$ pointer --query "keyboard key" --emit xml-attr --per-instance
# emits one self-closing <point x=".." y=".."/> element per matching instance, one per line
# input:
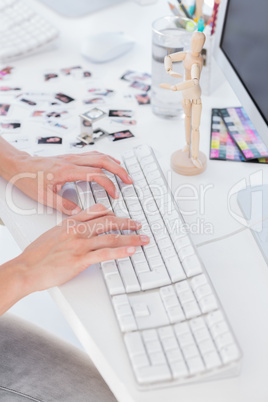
<point x="127" y="323"/>
<point x="175" y="269"/>
<point x="139" y="361"/>
<point x="128" y="275"/>
<point x="153" y="374"/>
<point x="153" y="346"/>
<point x="229" y="353"/>
<point x="174" y="355"/>
<point x="212" y="360"/>
<point x="198" y="281"/>
<point x="134" y="344"/>
<point x="175" y="314"/>
<point x="167" y="291"/>
<point x="202" y="291"/>
<point x="120" y="300"/>
<point x="182" y="242"/>
<point x="192" y="265"/>
<point x="190" y="351"/>
<point x="208" y="303"/>
<point x="178" y="369"/>
<point x="165" y="332"/>
<point x="157" y="358"/>
<point x="169" y="343"/>
<point x="109" y="267"/>
<point x="191" y="309"/>
<point x="149" y="335"/>
<point x="219" y="329"/>
<point x="202" y="334"/>
<point x="214" y="317"/>
<point x="206" y="346"/>
<point x="153" y="279"/>
<point x="186" y="252"/>
<point x="195" y="365"/>
<point x="115" y="284"/>
<point x="140" y="310"/>
<point x="224" y="340"/>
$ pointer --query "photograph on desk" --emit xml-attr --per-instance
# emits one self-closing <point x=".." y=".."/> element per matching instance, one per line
<point x="54" y="114"/>
<point x="94" y="101"/>
<point x="222" y="144"/>
<point x="132" y="76"/>
<point x="6" y="72"/>
<point x="9" y="90"/>
<point x="143" y="99"/>
<point x="49" y="140"/>
<point x="141" y="86"/>
<point x="101" y="92"/>
<point x="10" y="126"/>
<point x="64" y="98"/>
<point x="121" y="135"/>
<point x="48" y="76"/>
<point x="5" y="109"/>
<point x="120" y="113"/>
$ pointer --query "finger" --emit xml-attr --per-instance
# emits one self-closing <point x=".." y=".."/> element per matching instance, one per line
<point x="165" y="86"/>
<point x="91" y="174"/>
<point x="107" y="163"/>
<point x="174" y="74"/>
<point x="106" y="254"/>
<point x="94" y="154"/>
<point x="65" y="206"/>
<point x="115" y="241"/>
<point x="94" y="212"/>
<point x="107" y="224"/>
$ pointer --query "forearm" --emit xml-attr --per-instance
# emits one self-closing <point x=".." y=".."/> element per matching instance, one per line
<point x="184" y="85"/>
<point x="10" y="159"/>
<point x="12" y="284"/>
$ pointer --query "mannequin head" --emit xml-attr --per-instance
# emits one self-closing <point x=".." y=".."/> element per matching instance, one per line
<point x="197" y="42"/>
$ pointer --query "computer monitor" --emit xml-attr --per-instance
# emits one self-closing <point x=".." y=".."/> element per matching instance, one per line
<point x="241" y="50"/>
<point x="78" y="8"/>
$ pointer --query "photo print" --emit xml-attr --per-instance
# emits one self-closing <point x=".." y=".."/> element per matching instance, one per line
<point x="64" y="98"/>
<point x="49" y="140"/>
<point x="121" y="135"/>
<point x="10" y="126"/>
<point x="140" y="85"/>
<point x="120" y="113"/>
<point x="6" y="72"/>
<point x="131" y="76"/>
<point x="143" y="99"/>
<point x="4" y="109"/>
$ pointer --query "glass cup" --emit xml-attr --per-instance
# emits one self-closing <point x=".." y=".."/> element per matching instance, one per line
<point x="169" y="35"/>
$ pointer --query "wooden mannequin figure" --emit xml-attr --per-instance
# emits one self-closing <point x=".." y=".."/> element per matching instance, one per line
<point x="189" y="161"/>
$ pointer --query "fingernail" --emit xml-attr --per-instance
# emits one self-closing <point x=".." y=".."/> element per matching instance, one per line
<point x="116" y="194"/>
<point x="131" y="250"/>
<point x="129" y="178"/>
<point x="76" y="211"/>
<point x="145" y="239"/>
<point x="138" y="224"/>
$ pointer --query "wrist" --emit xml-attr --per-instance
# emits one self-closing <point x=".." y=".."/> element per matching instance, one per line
<point x="13" y="162"/>
<point x="13" y="283"/>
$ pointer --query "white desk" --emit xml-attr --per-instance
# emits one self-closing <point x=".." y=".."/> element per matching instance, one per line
<point x="235" y="265"/>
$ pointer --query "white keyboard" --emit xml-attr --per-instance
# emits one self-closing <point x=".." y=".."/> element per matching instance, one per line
<point x="22" y="31"/>
<point x="172" y="323"/>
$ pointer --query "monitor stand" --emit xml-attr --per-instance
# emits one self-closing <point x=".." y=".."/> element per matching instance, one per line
<point x="77" y="8"/>
<point x="253" y="202"/>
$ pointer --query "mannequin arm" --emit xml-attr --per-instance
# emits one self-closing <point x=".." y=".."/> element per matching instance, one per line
<point x="179" y="56"/>
<point x="181" y="86"/>
<point x="195" y="72"/>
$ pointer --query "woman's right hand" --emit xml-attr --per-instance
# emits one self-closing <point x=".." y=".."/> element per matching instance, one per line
<point x="64" y="251"/>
